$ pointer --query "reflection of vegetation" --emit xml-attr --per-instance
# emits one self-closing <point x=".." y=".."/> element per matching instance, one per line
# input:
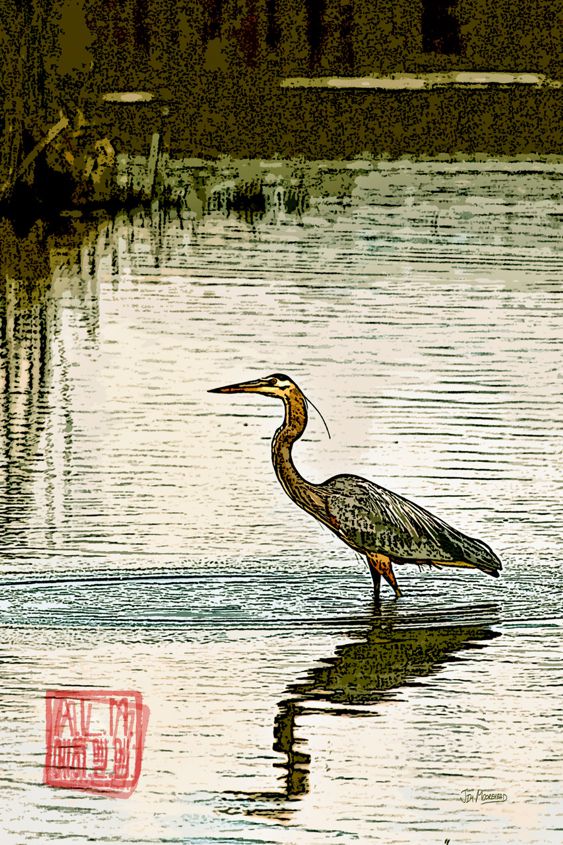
<point x="257" y="195"/>
<point x="26" y="321"/>
<point x="30" y="341"/>
<point x="390" y="654"/>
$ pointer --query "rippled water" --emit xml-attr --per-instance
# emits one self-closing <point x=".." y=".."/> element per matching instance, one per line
<point x="146" y="544"/>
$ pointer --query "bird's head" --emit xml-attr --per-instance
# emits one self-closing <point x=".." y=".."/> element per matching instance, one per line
<point x="276" y="385"/>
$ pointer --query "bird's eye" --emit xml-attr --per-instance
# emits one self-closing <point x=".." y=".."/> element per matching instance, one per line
<point x="276" y="378"/>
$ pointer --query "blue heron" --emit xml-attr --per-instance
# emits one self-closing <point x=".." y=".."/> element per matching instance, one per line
<point x="385" y="527"/>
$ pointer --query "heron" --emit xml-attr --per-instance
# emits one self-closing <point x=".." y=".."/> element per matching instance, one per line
<point x="384" y="526"/>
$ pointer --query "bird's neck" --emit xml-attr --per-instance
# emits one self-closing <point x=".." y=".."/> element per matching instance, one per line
<point x="297" y="488"/>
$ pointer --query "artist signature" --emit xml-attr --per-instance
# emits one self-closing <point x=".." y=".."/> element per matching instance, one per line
<point x="483" y="796"/>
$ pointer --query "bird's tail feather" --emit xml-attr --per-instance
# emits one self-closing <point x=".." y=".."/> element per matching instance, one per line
<point x="477" y="554"/>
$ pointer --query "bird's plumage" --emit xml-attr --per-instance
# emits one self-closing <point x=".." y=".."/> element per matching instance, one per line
<point x="370" y="518"/>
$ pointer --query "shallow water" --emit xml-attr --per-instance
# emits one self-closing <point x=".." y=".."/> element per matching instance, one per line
<point x="146" y="544"/>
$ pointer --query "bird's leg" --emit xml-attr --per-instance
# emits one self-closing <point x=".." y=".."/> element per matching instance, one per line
<point x="392" y="581"/>
<point x="381" y="565"/>
<point x="376" y="578"/>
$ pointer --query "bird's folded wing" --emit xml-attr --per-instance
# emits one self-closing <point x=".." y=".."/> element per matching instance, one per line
<point x="375" y="519"/>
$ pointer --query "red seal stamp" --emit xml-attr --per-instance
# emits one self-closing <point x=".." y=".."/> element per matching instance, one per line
<point x="95" y="740"/>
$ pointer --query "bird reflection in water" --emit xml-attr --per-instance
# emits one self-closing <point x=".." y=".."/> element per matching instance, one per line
<point x="392" y="653"/>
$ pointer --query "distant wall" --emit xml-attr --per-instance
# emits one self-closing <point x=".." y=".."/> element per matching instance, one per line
<point x="216" y="65"/>
<point x="158" y="40"/>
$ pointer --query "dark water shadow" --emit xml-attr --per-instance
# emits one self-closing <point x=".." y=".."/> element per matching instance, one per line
<point x="393" y="652"/>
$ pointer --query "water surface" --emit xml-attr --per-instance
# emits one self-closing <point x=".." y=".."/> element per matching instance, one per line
<point x="145" y="542"/>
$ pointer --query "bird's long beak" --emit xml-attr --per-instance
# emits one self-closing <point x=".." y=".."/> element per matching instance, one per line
<point x="256" y="386"/>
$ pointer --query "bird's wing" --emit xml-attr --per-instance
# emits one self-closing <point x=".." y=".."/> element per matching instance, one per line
<point x="371" y="518"/>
